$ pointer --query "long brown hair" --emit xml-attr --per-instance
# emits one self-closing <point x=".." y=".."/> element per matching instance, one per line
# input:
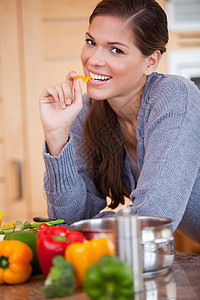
<point x="104" y="145"/>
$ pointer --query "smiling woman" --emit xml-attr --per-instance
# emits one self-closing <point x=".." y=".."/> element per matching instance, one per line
<point x="109" y="52"/>
<point x="135" y="134"/>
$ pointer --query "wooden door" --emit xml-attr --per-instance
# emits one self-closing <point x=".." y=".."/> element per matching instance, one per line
<point x="21" y="165"/>
<point x="11" y="130"/>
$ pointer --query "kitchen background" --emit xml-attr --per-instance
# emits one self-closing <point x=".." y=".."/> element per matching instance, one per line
<point x="40" y="41"/>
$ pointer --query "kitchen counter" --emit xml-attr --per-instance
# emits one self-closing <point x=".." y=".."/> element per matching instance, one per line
<point x="181" y="282"/>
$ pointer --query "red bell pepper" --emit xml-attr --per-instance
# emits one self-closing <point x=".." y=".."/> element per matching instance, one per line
<point x="53" y="241"/>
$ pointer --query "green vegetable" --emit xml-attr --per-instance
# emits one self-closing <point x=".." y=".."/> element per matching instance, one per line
<point x="29" y="238"/>
<point x="18" y="226"/>
<point x="109" y="279"/>
<point x="60" y="280"/>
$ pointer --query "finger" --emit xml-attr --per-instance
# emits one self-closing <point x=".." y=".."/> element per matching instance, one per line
<point x="77" y="92"/>
<point x="68" y="93"/>
<point x="70" y="78"/>
<point x="50" y="92"/>
<point x="61" y="97"/>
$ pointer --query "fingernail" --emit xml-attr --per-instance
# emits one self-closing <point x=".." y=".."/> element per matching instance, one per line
<point x="68" y="101"/>
<point x="57" y="99"/>
<point x="63" y="105"/>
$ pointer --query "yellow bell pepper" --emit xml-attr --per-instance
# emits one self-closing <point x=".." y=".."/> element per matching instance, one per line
<point x="81" y="255"/>
<point x="1" y="215"/>
<point x="11" y="224"/>
<point x="15" y="258"/>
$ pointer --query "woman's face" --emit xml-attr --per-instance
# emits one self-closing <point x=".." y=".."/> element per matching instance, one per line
<point x="110" y="56"/>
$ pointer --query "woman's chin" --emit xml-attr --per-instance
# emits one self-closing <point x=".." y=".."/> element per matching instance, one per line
<point x="97" y="94"/>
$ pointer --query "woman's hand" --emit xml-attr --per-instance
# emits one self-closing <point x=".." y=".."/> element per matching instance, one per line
<point x="59" y="106"/>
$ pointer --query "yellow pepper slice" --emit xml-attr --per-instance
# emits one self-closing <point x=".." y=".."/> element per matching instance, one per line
<point x="81" y="255"/>
<point x="15" y="258"/>
<point x="85" y="79"/>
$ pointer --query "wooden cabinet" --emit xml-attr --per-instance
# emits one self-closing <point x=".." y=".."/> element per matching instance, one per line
<point x="184" y="244"/>
<point x="21" y="165"/>
<point x="64" y="24"/>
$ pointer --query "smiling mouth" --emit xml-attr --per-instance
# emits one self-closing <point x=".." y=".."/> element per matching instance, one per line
<point x="96" y="77"/>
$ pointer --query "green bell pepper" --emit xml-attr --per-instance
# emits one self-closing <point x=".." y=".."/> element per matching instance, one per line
<point x="109" y="279"/>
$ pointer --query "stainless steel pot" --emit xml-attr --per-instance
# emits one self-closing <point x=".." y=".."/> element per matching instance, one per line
<point x="156" y="238"/>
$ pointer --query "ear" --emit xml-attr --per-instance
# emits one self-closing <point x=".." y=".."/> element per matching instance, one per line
<point x="152" y="62"/>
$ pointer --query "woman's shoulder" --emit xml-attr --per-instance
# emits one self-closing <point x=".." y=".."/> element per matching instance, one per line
<point x="165" y="90"/>
<point x="168" y="83"/>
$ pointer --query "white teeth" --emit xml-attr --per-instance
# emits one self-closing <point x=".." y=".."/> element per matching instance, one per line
<point x="99" y="77"/>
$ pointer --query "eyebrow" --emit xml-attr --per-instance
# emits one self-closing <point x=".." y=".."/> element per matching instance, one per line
<point x="109" y="43"/>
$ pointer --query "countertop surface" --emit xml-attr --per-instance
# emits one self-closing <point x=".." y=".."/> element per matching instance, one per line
<point x="181" y="281"/>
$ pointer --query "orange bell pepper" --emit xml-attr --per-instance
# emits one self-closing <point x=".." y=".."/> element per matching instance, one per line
<point x="81" y="255"/>
<point x="15" y="258"/>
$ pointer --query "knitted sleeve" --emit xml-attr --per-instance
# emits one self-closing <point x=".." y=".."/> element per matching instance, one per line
<point x="71" y="194"/>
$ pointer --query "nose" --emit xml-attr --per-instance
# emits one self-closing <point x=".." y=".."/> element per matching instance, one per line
<point x="97" y="57"/>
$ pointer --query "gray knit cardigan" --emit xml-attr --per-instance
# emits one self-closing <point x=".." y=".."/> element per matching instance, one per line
<point x="168" y="157"/>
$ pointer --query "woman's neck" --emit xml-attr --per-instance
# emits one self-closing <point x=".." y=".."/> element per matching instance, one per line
<point x="127" y="108"/>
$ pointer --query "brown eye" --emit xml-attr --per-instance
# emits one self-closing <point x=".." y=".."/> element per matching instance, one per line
<point x="117" y="51"/>
<point x="90" y="42"/>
